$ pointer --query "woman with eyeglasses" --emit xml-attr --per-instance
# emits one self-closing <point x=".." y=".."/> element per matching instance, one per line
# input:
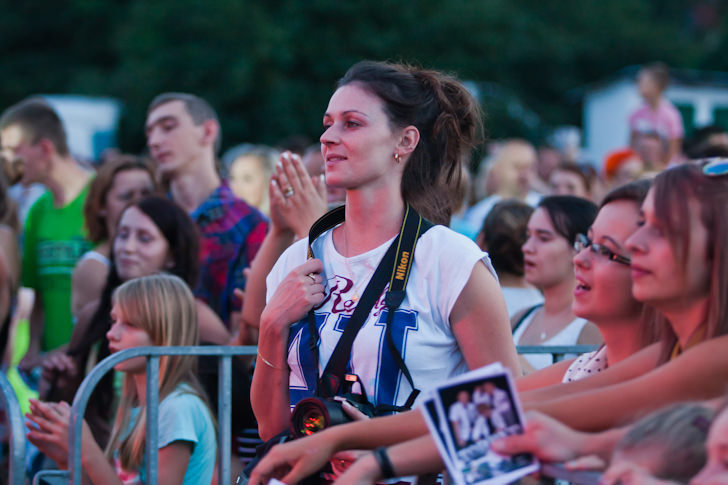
<point x="548" y="253"/>
<point x="603" y="291"/>
<point x="680" y="268"/>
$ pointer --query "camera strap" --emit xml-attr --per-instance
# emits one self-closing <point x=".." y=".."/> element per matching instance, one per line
<point x="394" y="268"/>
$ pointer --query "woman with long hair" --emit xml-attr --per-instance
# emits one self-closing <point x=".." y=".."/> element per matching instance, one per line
<point x="153" y="235"/>
<point x="156" y="310"/>
<point x="395" y="137"/>
<point x="117" y="183"/>
<point x="603" y="293"/>
<point x="679" y="268"/>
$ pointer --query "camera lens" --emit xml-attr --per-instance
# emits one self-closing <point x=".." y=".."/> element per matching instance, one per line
<point x="312" y="415"/>
<point x="312" y="421"/>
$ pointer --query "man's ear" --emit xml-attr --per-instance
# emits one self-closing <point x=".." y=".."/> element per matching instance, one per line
<point x="408" y="141"/>
<point x="48" y="149"/>
<point x="210" y="132"/>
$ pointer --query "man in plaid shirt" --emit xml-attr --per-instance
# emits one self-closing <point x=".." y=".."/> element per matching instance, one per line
<point x="183" y="135"/>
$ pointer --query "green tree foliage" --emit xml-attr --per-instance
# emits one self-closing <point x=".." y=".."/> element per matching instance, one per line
<point x="270" y="66"/>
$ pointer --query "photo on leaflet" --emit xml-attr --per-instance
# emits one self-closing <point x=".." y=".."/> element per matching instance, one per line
<point x="474" y="409"/>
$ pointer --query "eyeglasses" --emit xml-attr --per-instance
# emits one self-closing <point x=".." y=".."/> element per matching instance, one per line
<point x="583" y="242"/>
<point x="714" y="167"/>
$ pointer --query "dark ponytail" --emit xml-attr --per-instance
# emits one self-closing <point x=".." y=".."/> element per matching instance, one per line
<point x="450" y="125"/>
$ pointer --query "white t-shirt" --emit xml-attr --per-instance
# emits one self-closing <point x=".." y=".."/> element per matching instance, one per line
<point x="442" y="265"/>
<point x="461" y="414"/>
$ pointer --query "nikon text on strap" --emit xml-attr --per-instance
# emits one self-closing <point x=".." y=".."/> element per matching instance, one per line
<point x="395" y="266"/>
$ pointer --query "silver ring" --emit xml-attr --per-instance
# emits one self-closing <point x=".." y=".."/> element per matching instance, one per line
<point x="312" y="276"/>
<point x="288" y="192"/>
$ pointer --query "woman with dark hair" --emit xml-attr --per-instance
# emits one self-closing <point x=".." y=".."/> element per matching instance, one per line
<point x="604" y="297"/>
<point x="548" y="256"/>
<point x="395" y="137"/>
<point x="502" y="236"/>
<point x="117" y="183"/>
<point x="679" y="268"/>
<point x="153" y="235"/>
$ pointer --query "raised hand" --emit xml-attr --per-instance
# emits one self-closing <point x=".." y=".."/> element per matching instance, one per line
<point x="296" y="199"/>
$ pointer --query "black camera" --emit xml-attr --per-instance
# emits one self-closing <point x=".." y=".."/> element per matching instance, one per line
<point x="314" y="414"/>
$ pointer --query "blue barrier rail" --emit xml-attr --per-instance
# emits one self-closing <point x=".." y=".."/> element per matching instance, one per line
<point x="224" y="354"/>
<point x="17" y="432"/>
<point x="558" y="352"/>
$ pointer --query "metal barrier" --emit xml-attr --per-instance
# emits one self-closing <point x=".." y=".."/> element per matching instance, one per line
<point x="17" y="432"/>
<point x="557" y="351"/>
<point x="553" y="472"/>
<point x="224" y="353"/>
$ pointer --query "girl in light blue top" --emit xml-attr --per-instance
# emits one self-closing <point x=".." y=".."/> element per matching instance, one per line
<point x="152" y="310"/>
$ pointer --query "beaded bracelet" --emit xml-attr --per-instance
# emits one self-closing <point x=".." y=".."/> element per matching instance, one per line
<point x="384" y="463"/>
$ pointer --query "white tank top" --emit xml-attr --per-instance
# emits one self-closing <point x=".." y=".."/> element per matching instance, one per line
<point x="569" y="335"/>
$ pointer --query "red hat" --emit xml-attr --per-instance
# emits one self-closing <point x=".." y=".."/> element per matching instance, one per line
<point x="615" y="158"/>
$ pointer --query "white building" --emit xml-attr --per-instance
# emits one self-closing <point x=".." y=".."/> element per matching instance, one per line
<point x="91" y="123"/>
<point x="701" y="97"/>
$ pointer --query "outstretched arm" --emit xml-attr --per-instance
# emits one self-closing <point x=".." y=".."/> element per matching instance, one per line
<point x="415" y="457"/>
<point x="700" y="373"/>
<point x="552" y="441"/>
<point x="634" y="366"/>
<point x="303" y="457"/>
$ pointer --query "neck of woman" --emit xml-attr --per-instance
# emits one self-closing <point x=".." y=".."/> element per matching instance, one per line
<point x="622" y="338"/>
<point x="372" y="218"/>
<point x="557" y="298"/>
<point x="686" y="317"/>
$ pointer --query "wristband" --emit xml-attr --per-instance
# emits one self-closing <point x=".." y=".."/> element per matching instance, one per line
<point x="380" y="454"/>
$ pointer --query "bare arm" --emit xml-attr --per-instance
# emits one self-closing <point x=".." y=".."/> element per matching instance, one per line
<point x="415" y="457"/>
<point x="480" y="323"/>
<point x="212" y="330"/>
<point x="172" y="460"/>
<point x="552" y="441"/>
<point x="292" y="300"/>
<point x="548" y="376"/>
<point x="275" y="242"/>
<point x="87" y="283"/>
<point x="32" y="357"/>
<point x="630" y="368"/>
<point x="309" y="454"/>
<point x="10" y="253"/>
<point x="700" y="373"/>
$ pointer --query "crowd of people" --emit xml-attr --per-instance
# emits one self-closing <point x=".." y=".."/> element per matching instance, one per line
<point x="418" y="271"/>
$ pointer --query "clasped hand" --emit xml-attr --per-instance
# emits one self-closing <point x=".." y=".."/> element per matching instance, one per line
<point x="300" y="291"/>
